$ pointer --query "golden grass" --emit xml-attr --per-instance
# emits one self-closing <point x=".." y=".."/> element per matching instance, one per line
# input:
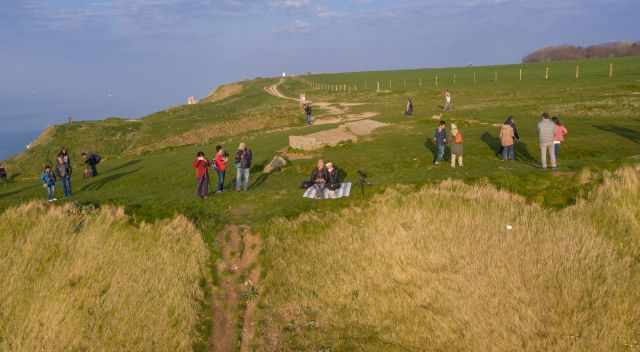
<point x="224" y="91"/>
<point x="439" y="270"/>
<point x="94" y="282"/>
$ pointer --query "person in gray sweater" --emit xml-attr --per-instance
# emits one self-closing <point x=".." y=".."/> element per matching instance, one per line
<point x="546" y="132"/>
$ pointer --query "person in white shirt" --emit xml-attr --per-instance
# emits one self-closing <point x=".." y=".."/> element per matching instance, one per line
<point x="447" y="100"/>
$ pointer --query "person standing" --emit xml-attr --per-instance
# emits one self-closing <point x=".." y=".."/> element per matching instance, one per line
<point x="3" y="174"/>
<point x="509" y="121"/>
<point x="507" y="140"/>
<point x="546" y="134"/>
<point x="63" y="171"/>
<point x="456" y="147"/>
<point x="448" y="100"/>
<point x="243" y="160"/>
<point x="201" y="164"/>
<point x="558" y="136"/>
<point x="49" y="181"/>
<point x="409" y="109"/>
<point x="308" y="113"/>
<point x="92" y="160"/>
<point x="440" y="140"/>
<point x="220" y="164"/>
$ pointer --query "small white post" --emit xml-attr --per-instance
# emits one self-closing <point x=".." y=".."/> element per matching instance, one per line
<point x="436" y="80"/>
<point x="610" y="70"/>
<point x="521" y="74"/>
<point x="578" y="71"/>
<point x="475" y="78"/>
<point x="546" y="73"/>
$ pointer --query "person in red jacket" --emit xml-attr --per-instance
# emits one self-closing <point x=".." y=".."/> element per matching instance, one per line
<point x="220" y="165"/>
<point x="201" y="164"/>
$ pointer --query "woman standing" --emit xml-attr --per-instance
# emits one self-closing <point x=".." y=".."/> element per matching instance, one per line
<point x="507" y="139"/>
<point x="220" y="164"/>
<point x="456" y="147"/>
<point x="202" y="175"/>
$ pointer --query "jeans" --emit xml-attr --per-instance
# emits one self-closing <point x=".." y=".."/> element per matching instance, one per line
<point x="440" y="152"/>
<point x="51" y="191"/>
<point x="242" y="179"/>
<point x="508" y="153"/>
<point x="221" y="175"/>
<point x="309" y="119"/>
<point x="556" y="150"/>
<point x="544" y="149"/>
<point x="94" y="170"/>
<point x="66" y="185"/>
<point x="203" y="186"/>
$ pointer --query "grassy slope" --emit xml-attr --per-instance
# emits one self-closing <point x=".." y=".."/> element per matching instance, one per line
<point x="91" y="281"/>
<point x="601" y="114"/>
<point x="438" y="270"/>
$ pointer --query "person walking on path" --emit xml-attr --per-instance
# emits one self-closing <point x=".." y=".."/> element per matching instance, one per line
<point x="546" y="134"/>
<point x="92" y="160"/>
<point x="49" y="181"/>
<point x="558" y="136"/>
<point x="507" y="140"/>
<point x="448" y="101"/>
<point x="201" y="164"/>
<point x="243" y="160"/>
<point x="220" y="165"/>
<point x="409" y="109"/>
<point x="308" y="113"/>
<point x="440" y="140"/>
<point x="456" y="147"/>
<point x="63" y="171"/>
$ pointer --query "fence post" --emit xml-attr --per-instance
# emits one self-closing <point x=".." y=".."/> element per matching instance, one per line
<point x="475" y="78"/>
<point x="610" y="70"/>
<point x="495" y="76"/>
<point x="378" y="89"/>
<point x="404" y="84"/>
<point x="420" y="82"/>
<point x="578" y="71"/>
<point x="546" y="73"/>
<point x="454" y="78"/>
<point x="521" y="74"/>
<point x="389" y="84"/>
<point x="436" y="80"/>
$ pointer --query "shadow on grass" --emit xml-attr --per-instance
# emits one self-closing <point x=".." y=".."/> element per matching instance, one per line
<point x="98" y="184"/>
<point x="125" y="165"/>
<point x="13" y="193"/>
<point x="627" y="133"/>
<point x="492" y="142"/>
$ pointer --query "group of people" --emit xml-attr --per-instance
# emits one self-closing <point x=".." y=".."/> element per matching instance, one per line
<point x="551" y="134"/>
<point x="325" y="180"/>
<point x="440" y="140"/>
<point x="243" y="159"/>
<point x="62" y="171"/>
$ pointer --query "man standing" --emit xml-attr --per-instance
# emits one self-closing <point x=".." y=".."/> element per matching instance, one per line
<point x="308" y="113"/>
<point x="440" y="140"/>
<point x="546" y="132"/>
<point x="243" y="165"/>
<point x="63" y="172"/>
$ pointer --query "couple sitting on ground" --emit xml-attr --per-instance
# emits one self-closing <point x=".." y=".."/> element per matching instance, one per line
<point x="325" y="182"/>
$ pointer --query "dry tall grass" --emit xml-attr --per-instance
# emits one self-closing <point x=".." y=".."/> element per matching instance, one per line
<point x="94" y="282"/>
<point x="440" y="270"/>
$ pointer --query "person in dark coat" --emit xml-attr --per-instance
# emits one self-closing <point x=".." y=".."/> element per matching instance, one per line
<point x="92" y="160"/>
<point x="63" y="172"/>
<point x="3" y="174"/>
<point x="243" y="160"/>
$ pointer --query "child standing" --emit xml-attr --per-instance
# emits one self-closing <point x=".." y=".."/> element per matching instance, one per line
<point x="558" y="136"/>
<point x="49" y="181"/>
<point x="202" y="175"/>
<point x="440" y="140"/>
<point x="456" y="146"/>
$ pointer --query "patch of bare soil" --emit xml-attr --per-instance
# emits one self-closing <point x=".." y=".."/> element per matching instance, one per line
<point x="240" y="251"/>
<point x="330" y="138"/>
<point x="223" y="92"/>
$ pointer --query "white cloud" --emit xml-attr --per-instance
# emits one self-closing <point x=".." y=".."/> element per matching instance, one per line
<point x="298" y="26"/>
<point x="291" y="4"/>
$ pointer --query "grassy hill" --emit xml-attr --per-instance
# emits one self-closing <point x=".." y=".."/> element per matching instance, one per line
<point x="147" y="171"/>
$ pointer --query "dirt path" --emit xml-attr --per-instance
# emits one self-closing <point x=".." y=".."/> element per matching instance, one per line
<point x="231" y="325"/>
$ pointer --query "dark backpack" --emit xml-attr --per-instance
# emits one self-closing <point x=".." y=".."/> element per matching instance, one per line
<point x="97" y="158"/>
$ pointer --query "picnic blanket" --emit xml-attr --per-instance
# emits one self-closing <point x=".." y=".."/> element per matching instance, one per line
<point x="343" y="191"/>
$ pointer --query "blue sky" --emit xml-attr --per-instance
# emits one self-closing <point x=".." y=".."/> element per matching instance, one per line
<point x="98" y="58"/>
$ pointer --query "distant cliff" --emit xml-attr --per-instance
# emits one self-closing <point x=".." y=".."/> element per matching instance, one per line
<point x="571" y="52"/>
